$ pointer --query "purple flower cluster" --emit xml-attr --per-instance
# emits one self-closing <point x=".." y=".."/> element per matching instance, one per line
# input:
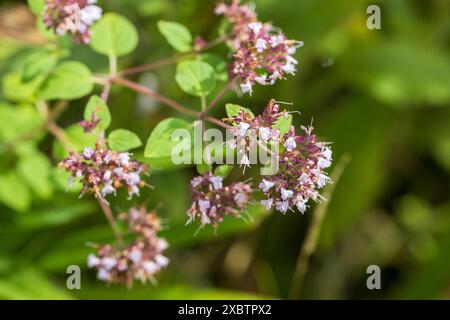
<point x="103" y="171"/>
<point x="301" y="173"/>
<point x="239" y="16"/>
<point x="72" y="16"/>
<point x="250" y="131"/>
<point x="141" y="259"/>
<point x="211" y="201"/>
<point x="262" y="54"/>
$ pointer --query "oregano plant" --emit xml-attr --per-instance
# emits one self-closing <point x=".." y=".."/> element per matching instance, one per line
<point x="102" y="163"/>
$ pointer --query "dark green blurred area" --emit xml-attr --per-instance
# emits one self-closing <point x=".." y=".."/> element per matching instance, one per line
<point x="382" y="96"/>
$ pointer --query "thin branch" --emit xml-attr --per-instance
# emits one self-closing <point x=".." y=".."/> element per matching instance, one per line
<point x="110" y="217"/>
<point x="148" y="92"/>
<point x="60" y="135"/>
<point x="312" y="235"/>
<point x="229" y="85"/>
<point x="171" y="60"/>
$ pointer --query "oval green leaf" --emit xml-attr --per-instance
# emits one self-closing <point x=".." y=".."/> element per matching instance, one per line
<point x="177" y="35"/>
<point x="123" y="140"/>
<point x="114" y="36"/>
<point x="196" y="78"/>
<point x="98" y="106"/>
<point x="68" y="81"/>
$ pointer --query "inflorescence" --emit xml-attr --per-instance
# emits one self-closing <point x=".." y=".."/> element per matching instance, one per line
<point x="262" y="54"/>
<point x="102" y="171"/>
<point x="211" y="201"/>
<point x="72" y="16"/>
<point x="141" y="259"/>
<point x="301" y="172"/>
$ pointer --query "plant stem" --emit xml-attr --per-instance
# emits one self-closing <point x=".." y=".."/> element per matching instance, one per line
<point x="169" y="102"/>
<point x="148" y="92"/>
<point x="312" y="235"/>
<point x="229" y="85"/>
<point x="171" y="60"/>
<point x="112" y="222"/>
<point x="60" y="135"/>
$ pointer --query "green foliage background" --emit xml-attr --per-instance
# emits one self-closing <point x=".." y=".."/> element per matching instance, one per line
<point x="380" y="95"/>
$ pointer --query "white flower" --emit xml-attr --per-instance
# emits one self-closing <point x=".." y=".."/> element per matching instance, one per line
<point x="196" y="181"/>
<point x="162" y="260"/>
<point x="255" y="27"/>
<point x="267" y="203"/>
<point x="264" y="134"/>
<point x="301" y="204"/>
<point x="246" y="87"/>
<point x="108" y="189"/>
<point x="322" y="180"/>
<point x="119" y="172"/>
<point x="304" y="178"/>
<point x="327" y="153"/>
<point x="90" y="14"/>
<point x="262" y="80"/>
<point x="290" y="144"/>
<point x="242" y="128"/>
<point x="88" y="152"/>
<point x="162" y="244"/>
<point x="107" y="175"/>
<point x="205" y="219"/>
<point x="276" y="40"/>
<point x="108" y="263"/>
<point x="134" y="190"/>
<point x="286" y="194"/>
<point x="204" y="205"/>
<point x="231" y="143"/>
<point x="103" y="275"/>
<point x="260" y="45"/>
<point x="133" y="178"/>
<point x="282" y="206"/>
<point x="245" y="161"/>
<point x="93" y="261"/>
<point x="289" y="68"/>
<point x="240" y="198"/>
<point x="135" y="256"/>
<point x="150" y="267"/>
<point x="323" y="163"/>
<point x="266" y="185"/>
<point x="124" y="158"/>
<point x="217" y="182"/>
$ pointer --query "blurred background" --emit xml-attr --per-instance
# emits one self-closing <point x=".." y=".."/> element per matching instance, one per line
<point x="381" y="96"/>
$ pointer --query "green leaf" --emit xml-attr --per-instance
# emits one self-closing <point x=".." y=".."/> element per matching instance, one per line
<point x="18" y="120"/>
<point x="123" y="140"/>
<point x="234" y="109"/>
<point x="78" y="140"/>
<point x="219" y="65"/>
<point x="56" y="214"/>
<point x="204" y="167"/>
<point x="223" y="170"/>
<point x="160" y="142"/>
<point x="38" y="63"/>
<point x="14" y="193"/>
<point x="15" y="89"/>
<point x="114" y="36"/>
<point x="35" y="172"/>
<point x="37" y="6"/>
<point x="98" y="106"/>
<point x="196" y="78"/>
<point x="177" y="35"/>
<point x="70" y="80"/>
<point x="283" y="124"/>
